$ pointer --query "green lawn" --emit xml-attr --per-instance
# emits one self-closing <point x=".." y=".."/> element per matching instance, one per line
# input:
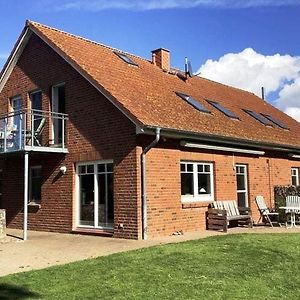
<point x="249" y="266"/>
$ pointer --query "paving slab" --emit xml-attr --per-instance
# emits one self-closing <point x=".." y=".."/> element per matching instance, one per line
<point x="44" y="249"/>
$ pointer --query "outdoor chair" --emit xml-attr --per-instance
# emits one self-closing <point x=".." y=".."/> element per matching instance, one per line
<point x="292" y="201"/>
<point x="266" y="215"/>
<point x="37" y="132"/>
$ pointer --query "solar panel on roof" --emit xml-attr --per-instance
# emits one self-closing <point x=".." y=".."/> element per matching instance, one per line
<point x="224" y="110"/>
<point x="275" y="121"/>
<point x="126" y="58"/>
<point x="258" y="117"/>
<point x="193" y="102"/>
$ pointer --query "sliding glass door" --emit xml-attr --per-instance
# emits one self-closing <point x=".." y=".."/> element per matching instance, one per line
<point x="95" y="195"/>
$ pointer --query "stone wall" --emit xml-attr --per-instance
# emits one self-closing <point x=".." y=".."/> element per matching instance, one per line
<point x="2" y="223"/>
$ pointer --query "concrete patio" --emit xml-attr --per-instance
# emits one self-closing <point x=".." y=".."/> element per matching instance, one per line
<point x="44" y="249"/>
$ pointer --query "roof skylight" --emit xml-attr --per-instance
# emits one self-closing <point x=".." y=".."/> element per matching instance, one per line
<point x="126" y="58"/>
<point x="258" y="117"/>
<point x="275" y="121"/>
<point x="193" y="102"/>
<point x="222" y="109"/>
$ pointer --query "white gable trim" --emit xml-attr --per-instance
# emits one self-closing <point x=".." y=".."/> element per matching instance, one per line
<point x="87" y="77"/>
<point x="14" y="57"/>
<point x="23" y="40"/>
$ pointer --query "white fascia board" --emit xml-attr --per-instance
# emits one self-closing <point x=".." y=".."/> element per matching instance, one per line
<point x="14" y="57"/>
<point x="297" y="156"/>
<point x="221" y="148"/>
<point x="86" y="76"/>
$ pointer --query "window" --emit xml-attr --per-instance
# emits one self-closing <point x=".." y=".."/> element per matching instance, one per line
<point x="95" y="195"/>
<point x="275" y="121"/>
<point x="36" y="100"/>
<point x="222" y="109"/>
<point x="295" y="176"/>
<point x="242" y="185"/>
<point x="35" y="184"/>
<point x="16" y="107"/>
<point x="58" y="108"/>
<point x="126" y="58"/>
<point x="258" y="117"/>
<point x="190" y="100"/>
<point x="196" y="181"/>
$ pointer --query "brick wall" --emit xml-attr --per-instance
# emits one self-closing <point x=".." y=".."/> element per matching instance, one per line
<point x="168" y="214"/>
<point x="96" y="131"/>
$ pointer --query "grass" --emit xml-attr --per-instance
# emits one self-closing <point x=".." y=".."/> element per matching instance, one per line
<point x="249" y="266"/>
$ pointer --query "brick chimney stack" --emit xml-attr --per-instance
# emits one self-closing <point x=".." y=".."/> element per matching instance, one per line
<point x="161" y="58"/>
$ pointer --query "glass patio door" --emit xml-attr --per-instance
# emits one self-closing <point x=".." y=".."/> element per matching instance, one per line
<point x="95" y="195"/>
<point x="242" y="185"/>
<point x="58" y="106"/>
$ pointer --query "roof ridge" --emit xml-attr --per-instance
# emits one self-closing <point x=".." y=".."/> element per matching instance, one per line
<point x="227" y="85"/>
<point x="34" y="23"/>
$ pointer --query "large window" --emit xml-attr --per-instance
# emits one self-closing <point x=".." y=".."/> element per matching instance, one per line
<point x="196" y="181"/>
<point x="35" y="184"/>
<point x="295" y="176"/>
<point x="95" y="195"/>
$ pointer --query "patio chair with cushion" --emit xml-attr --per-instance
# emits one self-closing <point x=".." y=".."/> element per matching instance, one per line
<point x="266" y="215"/>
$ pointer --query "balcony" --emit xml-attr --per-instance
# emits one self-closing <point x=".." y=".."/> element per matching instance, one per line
<point x="33" y="130"/>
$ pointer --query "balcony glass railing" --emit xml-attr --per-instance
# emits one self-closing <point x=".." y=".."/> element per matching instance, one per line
<point x="33" y="130"/>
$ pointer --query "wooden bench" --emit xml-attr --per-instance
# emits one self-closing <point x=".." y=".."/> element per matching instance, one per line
<point x="221" y="213"/>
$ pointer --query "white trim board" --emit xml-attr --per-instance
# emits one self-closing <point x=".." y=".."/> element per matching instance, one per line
<point x="18" y="50"/>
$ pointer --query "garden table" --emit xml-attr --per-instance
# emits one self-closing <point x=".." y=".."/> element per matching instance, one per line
<point x="293" y="210"/>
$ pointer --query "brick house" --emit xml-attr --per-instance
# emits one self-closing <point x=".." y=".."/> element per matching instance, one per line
<point x="95" y="140"/>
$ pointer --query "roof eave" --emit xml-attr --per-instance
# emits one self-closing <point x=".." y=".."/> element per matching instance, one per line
<point x="182" y="134"/>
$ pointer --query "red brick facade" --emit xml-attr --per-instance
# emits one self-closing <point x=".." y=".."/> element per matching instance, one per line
<point x="168" y="214"/>
<point x="98" y="131"/>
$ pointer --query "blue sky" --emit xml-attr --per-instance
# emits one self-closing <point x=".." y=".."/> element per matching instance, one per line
<point x="218" y="36"/>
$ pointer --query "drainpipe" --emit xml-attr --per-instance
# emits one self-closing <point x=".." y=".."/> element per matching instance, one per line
<point x="144" y="182"/>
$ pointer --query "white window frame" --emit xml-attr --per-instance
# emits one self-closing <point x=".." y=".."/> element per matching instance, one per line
<point x="12" y="110"/>
<point x="96" y="194"/>
<point x="30" y="184"/>
<point x="198" y="197"/>
<point x="246" y="182"/>
<point x="296" y="170"/>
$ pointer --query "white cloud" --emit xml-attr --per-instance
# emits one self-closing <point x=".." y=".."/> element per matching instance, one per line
<point x="144" y="5"/>
<point x="250" y="70"/>
<point x="294" y="112"/>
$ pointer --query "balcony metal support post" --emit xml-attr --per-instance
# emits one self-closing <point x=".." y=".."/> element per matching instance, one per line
<point x="32" y="128"/>
<point x="63" y="132"/>
<point x="5" y="134"/>
<point x="20" y="131"/>
<point x="25" y="196"/>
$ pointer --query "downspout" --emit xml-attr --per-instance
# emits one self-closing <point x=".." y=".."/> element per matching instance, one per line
<point x="144" y="183"/>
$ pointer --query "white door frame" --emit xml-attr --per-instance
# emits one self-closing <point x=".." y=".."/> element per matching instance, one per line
<point x="246" y="182"/>
<point x="96" y="194"/>
<point x="54" y="105"/>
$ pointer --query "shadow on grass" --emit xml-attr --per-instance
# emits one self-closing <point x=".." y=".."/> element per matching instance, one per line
<point x="8" y="291"/>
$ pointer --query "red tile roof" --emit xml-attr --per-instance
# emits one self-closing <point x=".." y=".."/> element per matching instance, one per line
<point x="147" y="94"/>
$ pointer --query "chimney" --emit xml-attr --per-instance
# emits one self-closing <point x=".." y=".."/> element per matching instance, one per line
<point x="161" y="58"/>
